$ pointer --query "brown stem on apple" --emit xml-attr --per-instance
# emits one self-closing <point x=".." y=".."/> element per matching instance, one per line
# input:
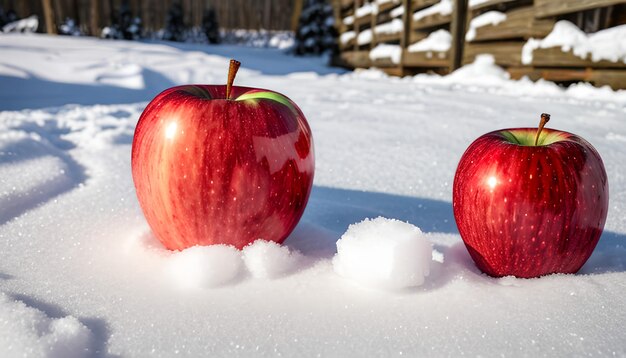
<point x="232" y="72"/>
<point x="544" y="119"/>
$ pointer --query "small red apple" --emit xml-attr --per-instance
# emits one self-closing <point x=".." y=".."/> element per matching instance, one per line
<point x="215" y="164"/>
<point x="530" y="202"/>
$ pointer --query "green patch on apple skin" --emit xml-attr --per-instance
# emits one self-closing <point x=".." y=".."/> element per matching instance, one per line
<point x="272" y="96"/>
<point x="526" y="137"/>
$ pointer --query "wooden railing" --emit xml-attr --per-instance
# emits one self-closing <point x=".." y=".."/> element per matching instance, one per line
<point x="407" y="36"/>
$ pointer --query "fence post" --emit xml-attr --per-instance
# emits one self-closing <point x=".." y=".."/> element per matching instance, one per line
<point x="49" y="17"/>
<point x="459" y="21"/>
<point x="405" y="37"/>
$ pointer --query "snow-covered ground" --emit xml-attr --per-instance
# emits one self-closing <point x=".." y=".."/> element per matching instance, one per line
<point x="80" y="273"/>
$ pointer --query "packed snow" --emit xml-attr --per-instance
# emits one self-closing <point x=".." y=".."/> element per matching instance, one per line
<point x="438" y="41"/>
<point x="392" y="27"/>
<point x="382" y="51"/>
<point x="384" y="253"/>
<point x="364" y="37"/>
<point x="26" y="25"/>
<point x="267" y="259"/>
<point x="397" y="12"/>
<point x="346" y="37"/>
<point x="366" y="9"/>
<point x="81" y="274"/>
<point x="608" y="44"/>
<point x="489" y="18"/>
<point x="443" y="7"/>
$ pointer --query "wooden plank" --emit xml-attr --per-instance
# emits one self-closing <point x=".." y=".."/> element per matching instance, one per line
<point x="422" y="4"/>
<point x="345" y="4"/>
<point x="425" y="59"/>
<point x="545" y="8"/>
<point x="387" y="6"/>
<point x="491" y="4"/>
<point x="457" y="29"/>
<point x="363" y="20"/>
<point x="555" y="57"/>
<point x="431" y="21"/>
<point x="356" y="59"/>
<point x="519" y="23"/>
<point x="616" y="79"/>
<point x="395" y="37"/>
<point x="417" y="36"/>
<point x="505" y="53"/>
<point x="383" y="62"/>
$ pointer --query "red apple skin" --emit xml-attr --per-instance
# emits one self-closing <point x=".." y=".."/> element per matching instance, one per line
<point x="213" y="171"/>
<point x="529" y="211"/>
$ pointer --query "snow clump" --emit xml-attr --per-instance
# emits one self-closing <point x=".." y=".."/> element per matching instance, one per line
<point x="204" y="266"/>
<point x="28" y="332"/>
<point x="384" y="253"/>
<point x="267" y="259"/>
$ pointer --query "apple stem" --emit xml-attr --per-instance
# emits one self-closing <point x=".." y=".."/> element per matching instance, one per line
<point x="544" y="119"/>
<point x="232" y="72"/>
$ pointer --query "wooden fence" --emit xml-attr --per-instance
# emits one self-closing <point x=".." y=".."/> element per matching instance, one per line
<point x="93" y="15"/>
<point x="408" y="36"/>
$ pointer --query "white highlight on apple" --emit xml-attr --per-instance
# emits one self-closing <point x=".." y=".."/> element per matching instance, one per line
<point x="384" y="253"/>
<point x="170" y="131"/>
<point x="492" y="182"/>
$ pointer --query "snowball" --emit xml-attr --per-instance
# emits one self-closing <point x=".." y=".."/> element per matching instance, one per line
<point x="383" y="253"/>
<point x="267" y="259"/>
<point x="27" y="331"/>
<point x="204" y="266"/>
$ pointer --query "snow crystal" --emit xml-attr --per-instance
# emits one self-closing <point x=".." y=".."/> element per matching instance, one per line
<point x="439" y="41"/>
<point x="267" y="259"/>
<point x="444" y="7"/>
<point x="204" y="266"/>
<point x="393" y="52"/>
<point x="489" y="18"/>
<point x="384" y="253"/>
<point x="608" y="44"/>
<point x="28" y="332"/>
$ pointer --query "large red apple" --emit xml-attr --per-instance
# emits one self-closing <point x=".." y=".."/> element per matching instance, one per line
<point x="219" y="164"/>
<point x="530" y="202"/>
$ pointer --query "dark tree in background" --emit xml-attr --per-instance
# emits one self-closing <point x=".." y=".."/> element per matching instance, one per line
<point x="174" y="26"/>
<point x="210" y="26"/>
<point x="7" y="16"/>
<point x="316" y="32"/>
<point x="123" y="25"/>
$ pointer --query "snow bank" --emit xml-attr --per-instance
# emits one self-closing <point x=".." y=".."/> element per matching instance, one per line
<point x="29" y="24"/>
<point x="444" y="7"/>
<point x="28" y="332"/>
<point x="384" y="253"/>
<point x="204" y="266"/>
<point x="392" y="27"/>
<point x="608" y="44"/>
<point x="267" y="259"/>
<point x="489" y="18"/>
<point x="439" y="41"/>
<point x="393" y="52"/>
